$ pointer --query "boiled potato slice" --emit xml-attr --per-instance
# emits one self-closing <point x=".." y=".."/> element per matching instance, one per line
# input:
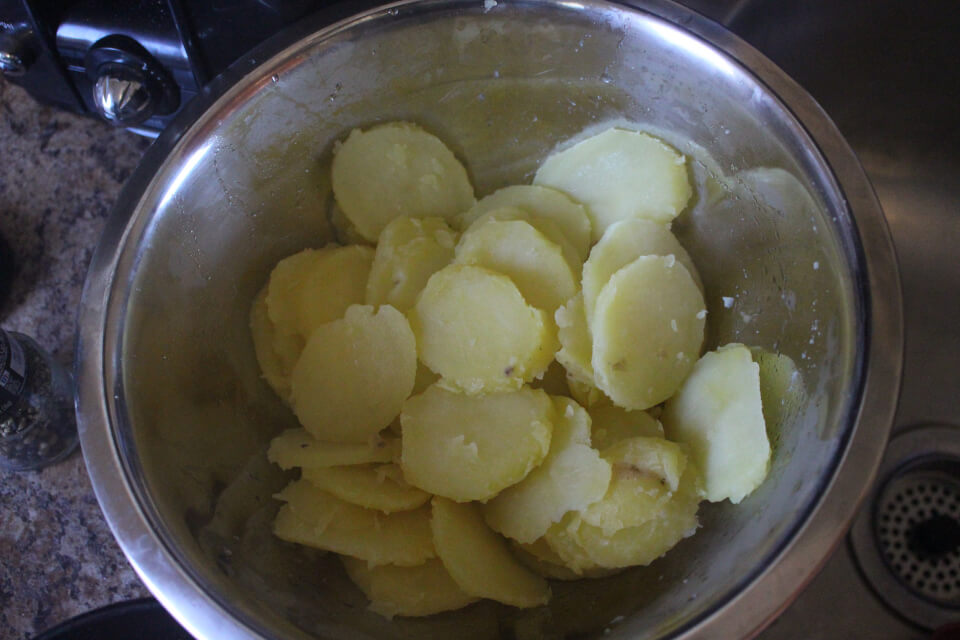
<point x="609" y="424"/>
<point x="474" y="329"/>
<point x="620" y="174"/>
<point x="297" y="448"/>
<point x="547" y="227"/>
<point x="646" y="472"/>
<point x="381" y="487"/>
<point x="479" y="560"/>
<point x="314" y="518"/>
<point x="543" y="561"/>
<point x="718" y="413"/>
<point x="343" y="230"/>
<point x="316" y="286"/>
<point x="472" y="447"/>
<point x="407" y="591"/>
<point x="641" y="545"/>
<point x="409" y="252"/>
<point x="584" y="393"/>
<point x="622" y="243"/>
<point x="647" y="331"/>
<point x="571" y="477"/>
<point x="354" y="374"/>
<point x="563" y="540"/>
<point x="516" y="249"/>
<point x="395" y="170"/>
<point x="277" y="353"/>
<point x="576" y="344"/>
<point x="540" y="202"/>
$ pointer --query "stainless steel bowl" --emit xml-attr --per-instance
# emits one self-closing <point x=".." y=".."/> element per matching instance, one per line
<point x="788" y="237"/>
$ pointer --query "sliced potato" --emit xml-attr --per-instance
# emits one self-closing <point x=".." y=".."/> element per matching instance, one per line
<point x="544" y="561"/>
<point x="584" y="393"/>
<point x="297" y="448"/>
<point x="647" y="331"/>
<point x="620" y="174"/>
<point x="343" y="230"/>
<point x="622" y="243"/>
<point x="316" y="286"/>
<point x="277" y="353"/>
<point x="541" y="202"/>
<point x="409" y="252"/>
<point x="718" y="413"/>
<point x="609" y="424"/>
<point x="547" y="227"/>
<point x="472" y="447"/>
<point x="395" y="170"/>
<point x="479" y="560"/>
<point x="516" y="249"/>
<point x="570" y="478"/>
<point x="354" y="374"/>
<point x="576" y="344"/>
<point x="563" y="539"/>
<point x="474" y="329"/>
<point x="381" y="487"/>
<point x="314" y="518"/>
<point x="407" y="591"/>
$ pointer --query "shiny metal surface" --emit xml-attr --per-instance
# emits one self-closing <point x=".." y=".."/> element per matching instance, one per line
<point x="122" y="99"/>
<point x="174" y="419"/>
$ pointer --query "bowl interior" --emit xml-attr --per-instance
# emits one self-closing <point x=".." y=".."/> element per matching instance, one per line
<point x="502" y="85"/>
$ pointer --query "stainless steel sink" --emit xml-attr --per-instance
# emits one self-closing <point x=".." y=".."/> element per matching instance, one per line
<point x="888" y="73"/>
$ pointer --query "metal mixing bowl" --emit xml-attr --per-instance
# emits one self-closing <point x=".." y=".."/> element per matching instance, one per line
<point x="787" y="235"/>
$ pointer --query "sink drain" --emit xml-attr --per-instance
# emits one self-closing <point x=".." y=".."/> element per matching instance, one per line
<point x="907" y="542"/>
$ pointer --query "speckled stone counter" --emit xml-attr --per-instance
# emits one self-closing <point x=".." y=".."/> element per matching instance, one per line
<point x="59" y="177"/>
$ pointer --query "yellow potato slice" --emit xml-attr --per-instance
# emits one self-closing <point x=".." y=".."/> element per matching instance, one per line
<point x="396" y="170"/>
<point x="571" y="477"/>
<point x="609" y="424"/>
<point x="479" y="560"/>
<point x="621" y="244"/>
<point x="407" y="591"/>
<point x="647" y="331"/>
<point x="544" y="561"/>
<point x="314" y="518"/>
<point x="516" y="249"/>
<point x="718" y="413"/>
<point x="277" y="353"/>
<point x="548" y="228"/>
<point x="472" y="447"/>
<point x="381" y="487"/>
<point x="354" y="374"/>
<point x="539" y="202"/>
<point x="576" y="344"/>
<point x="297" y="448"/>
<point x="620" y="174"/>
<point x="316" y="286"/>
<point x="584" y="393"/>
<point x="476" y="331"/>
<point x="563" y="540"/>
<point x="409" y="252"/>
<point x="343" y="230"/>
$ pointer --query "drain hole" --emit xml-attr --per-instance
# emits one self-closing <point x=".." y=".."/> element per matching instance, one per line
<point x="934" y="537"/>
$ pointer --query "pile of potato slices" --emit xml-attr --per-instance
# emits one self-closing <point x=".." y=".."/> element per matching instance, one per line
<point x="495" y="393"/>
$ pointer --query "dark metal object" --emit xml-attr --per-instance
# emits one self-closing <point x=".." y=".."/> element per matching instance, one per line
<point x="143" y="619"/>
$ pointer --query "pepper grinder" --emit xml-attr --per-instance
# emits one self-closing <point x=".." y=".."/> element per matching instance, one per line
<point x="37" y="421"/>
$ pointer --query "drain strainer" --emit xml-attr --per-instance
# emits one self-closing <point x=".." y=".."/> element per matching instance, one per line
<point x="908" y="541"/>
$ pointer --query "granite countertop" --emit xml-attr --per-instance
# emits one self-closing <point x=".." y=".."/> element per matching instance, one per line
<point x="59" y="177"/>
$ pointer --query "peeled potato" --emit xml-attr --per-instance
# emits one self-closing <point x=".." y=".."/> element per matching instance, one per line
<point x="315" y="518"/>
<point x="297" y="448"/>
<point x="316" y="286"/>
<point x="622" y="243"/>
<point x="563" y="539"/>
<point x="407" y="591"/>
<point x="343" y="230"/>
<point x="718" y="413"/>
<point x="584" y="393"/>
<point x="547" y="227"/>
<point x="472" y="447"/>
<point x="544" y="561"/>
<point x="277" y="353"/>
<point x="647" y="331"/>
<point x="516" y="249"/>
<point x="354" y="374"/>
<point x="479" y="560"/>
<point x="410" y="250"/>
<point x="541" y="202"/>
<point x="395" y="170"/>
<point x="476" y="331"/>
<point x="572" y="476"/>
<point x="620" y="174"/>
<point x="576" y="345"/>
<point x="610" y="424"/>
<point x="381" y="487"/>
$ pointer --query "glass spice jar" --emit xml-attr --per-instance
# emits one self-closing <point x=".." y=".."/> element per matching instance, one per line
<point x="37" y="421"/>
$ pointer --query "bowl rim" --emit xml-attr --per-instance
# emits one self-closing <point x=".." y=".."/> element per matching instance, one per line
<point x="764" y="593"/>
